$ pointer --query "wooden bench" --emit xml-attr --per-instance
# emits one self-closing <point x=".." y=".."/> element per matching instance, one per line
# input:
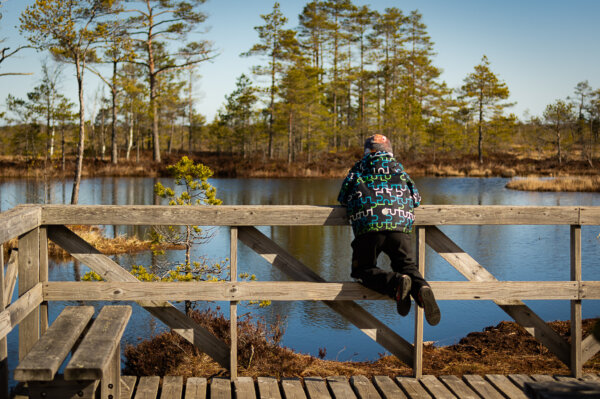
<point x="96" y="359"/>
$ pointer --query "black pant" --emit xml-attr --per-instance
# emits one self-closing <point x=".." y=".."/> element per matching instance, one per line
<point x="401" y="250"/>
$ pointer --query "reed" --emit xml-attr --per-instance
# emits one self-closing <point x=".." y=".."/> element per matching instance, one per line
<point x="572" y="184"/>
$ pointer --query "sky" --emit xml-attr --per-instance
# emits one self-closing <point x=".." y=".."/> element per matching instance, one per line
<point x="540" y="49"/>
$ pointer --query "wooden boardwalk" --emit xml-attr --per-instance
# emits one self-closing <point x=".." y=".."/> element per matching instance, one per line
<point x="492" y="386"/>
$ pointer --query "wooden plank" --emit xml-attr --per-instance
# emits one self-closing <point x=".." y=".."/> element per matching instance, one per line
<point x="505" y="386"/>
<point x="589" y="347"/>
<point x="268" y="388"/>
<point x="29" y="276"/>
<point x="388" y="388"/>
<point x="576" y="327"/>
<point x="166" y="312"/>
<point x="458" y="387"/>
<point x="364" y="388"/>
<point x="43" y="276"/>
<point x="286" y="215"/>
<point x="59" y="388"/>
<point x="147" y="387"/>
<point x="12" y="269"/>
<point x="340" y="387"/>
<point x="22" y="307"/>
<point x="220" y="388"/>
<point x="195" y="388"/>
<point x="297" y="291"/>
<point x="565" y="378"/>
<point x="4" y="372"/>
<point x="354" y="313"/>
<point x="44" y="359"/>
<point x="418" y="340"/>
<point x="110" y="384"/>
<point x="92" y="357"/>
<point x="316" y="388"/>
<point x="542" y="377"/>
<point x="435" y="387"/>
<point x="482" y="387"/>
<point x="172" y="387"/>
<point x="127" y="386"/>
<point x="563" y="389"/>
<point x="590" y="377"/>
<point x="244" y="388"/>
<point x="18" y="221"/>
<point x="521" y="313"/>
<point x="520" y="379"/>
<point x="412" y="388"/>
<point x="292" y="388"/>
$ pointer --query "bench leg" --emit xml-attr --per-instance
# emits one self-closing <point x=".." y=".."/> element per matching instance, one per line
<point x="110" y="385"/>
<point x="61" y="389"/>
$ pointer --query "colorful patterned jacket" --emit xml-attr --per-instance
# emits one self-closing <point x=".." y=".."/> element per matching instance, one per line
<point x="379" y="195"/>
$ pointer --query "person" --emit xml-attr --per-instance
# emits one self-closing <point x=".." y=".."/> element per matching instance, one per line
<point x="379" y="197"/>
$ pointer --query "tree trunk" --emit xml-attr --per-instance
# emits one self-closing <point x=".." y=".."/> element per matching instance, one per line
<point x="80" y="146"/>
<point x="114" y="154"/>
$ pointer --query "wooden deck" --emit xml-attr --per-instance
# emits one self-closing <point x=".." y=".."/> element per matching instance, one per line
<point x="493" y="386"/>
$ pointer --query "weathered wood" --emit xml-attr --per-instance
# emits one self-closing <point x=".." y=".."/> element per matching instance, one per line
<point x="576" y="326"/>
<point x="565" y="378"/>
<point x="18" y="221"/>
<point x="340" y="387"/>
<point x="172" y="387"/>
<point x="589" y="377"/>
<point x="4" y="385"/>
<point x="29" y="276"/>
<point x="413" y="388"/>
<point x="354" y="313"/>
<point x="589" y="347"/>
<point x="110" y="384"/>
<point x="244" y="388"/>
<point x="418" y="341"/>
<point x="388" y="388"/>
<point x="268" y="388"/>
<point x="59" y="388"/>
<point x="43" y="277"/>
<point x="220" y="388"/>
<point x="542" y="377"/>
<point x="316" y="388"/>
<point x="458" y="387"/>
<point x="45" y="357"/>
<point x="286" y="215"/>
<point x="520" y="379"/>
<point x="12" y="269"/>
<point x="482" y="387"/>
<point x="505" y="386"/>
<point x="195" y="388"/>
<point x="93" y="356"/>
<point x="147" y="387"/>
<point x="127" y="386"/>
<point x="292" y="388"/>
<point x="167" y="313"/>
<point x="563" y="390"/>
<point x="364" y="387"/>
<point x="22" y="307"/>
<point x="296" y="291"/>
<point x="233" y="317"/>
<point x="435" y="387"/>
<point x="521" y="313"/>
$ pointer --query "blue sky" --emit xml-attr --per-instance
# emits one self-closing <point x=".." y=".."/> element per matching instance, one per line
<point x="541" y="49"/>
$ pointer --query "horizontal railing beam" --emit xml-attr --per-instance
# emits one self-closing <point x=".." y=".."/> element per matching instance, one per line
<point x="298" y="215"/>
<point x="19" y="221"/>
<point x="305" y="291"/>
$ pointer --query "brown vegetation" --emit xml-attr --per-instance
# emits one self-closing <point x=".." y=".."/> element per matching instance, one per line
<point x="505" y="348"/>
<point x="577" y="183"/>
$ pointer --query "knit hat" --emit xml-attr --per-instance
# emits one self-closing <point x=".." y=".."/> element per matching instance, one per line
<point x="377" y="142"/>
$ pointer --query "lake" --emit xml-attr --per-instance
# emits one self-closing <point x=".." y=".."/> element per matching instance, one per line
<point x="513" y="253"/>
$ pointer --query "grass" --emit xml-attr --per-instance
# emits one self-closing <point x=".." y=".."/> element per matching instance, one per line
<point x="502" y="349"/>
<point x="573" y="184"/>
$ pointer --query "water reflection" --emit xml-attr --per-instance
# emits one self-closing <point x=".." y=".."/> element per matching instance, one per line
<point x="512" y="253"/>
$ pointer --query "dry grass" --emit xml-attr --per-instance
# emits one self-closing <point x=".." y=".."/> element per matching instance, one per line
<point x="576" y="183"/>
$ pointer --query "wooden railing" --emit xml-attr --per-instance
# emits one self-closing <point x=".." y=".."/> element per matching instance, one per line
<point x="33" y="225"/>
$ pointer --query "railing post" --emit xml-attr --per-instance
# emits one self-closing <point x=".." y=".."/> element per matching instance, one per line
<point x="576" y="328"/>
<point x="418" y="344"/>
<point x="29" y="276"/>
<point x="3" y="341"/>
<point x="43" y="276"/>
<point x="233" y="246"/>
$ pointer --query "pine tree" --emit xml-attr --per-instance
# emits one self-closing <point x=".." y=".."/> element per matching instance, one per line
<point x="558" y="115"/>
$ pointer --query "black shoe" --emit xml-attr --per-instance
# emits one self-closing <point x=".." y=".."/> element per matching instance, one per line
<point x="402" y="296"/>
<point x="427" y="302"/>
